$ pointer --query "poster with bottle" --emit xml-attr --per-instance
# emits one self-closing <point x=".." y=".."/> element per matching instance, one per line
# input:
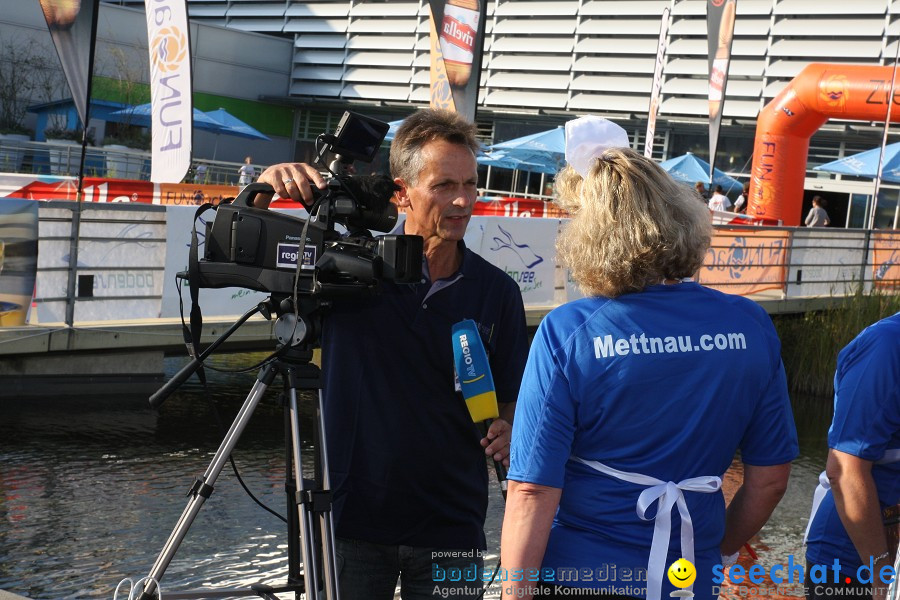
<point x="655" y="93"/>
<point x="457" y="44"/>
<point x="720" y="16"/>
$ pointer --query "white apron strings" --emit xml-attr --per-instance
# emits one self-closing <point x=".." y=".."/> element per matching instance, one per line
<point x="890" y="456"/>
<point x="669" y="495"/>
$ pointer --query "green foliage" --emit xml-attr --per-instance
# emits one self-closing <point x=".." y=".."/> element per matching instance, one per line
<point x="132" y="137"/>
<point x="811" y="342"/>
<point x="61" y="133"/>
<point x="118" y="90"/>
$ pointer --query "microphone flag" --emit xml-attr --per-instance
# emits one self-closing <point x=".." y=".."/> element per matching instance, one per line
<point x="474" y="372"/>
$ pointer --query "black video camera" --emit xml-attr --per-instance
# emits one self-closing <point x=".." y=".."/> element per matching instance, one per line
<point x="259" y="249"/>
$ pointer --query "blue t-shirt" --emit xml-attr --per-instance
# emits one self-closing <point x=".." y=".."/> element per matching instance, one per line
<point x="404" y="455"/>
<point x="669" y="383"/>
<point x="866" y="423"/>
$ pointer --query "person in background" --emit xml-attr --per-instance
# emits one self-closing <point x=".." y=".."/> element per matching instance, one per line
<point x="247" y="172"/>
<point x="719" y="201"/>
<point x="740" y="205"/>
<point x="200" y="173"/>
<point x="701" y="190"/>
<point x="860" y="487"/>
<point x="817" y="216"/>
<point x="594" y="437"/>
<point x="409" y="475"/>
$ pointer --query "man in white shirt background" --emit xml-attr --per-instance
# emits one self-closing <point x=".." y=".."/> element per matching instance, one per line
<point x="817" y="216"/>
<point x="719" y="201"/>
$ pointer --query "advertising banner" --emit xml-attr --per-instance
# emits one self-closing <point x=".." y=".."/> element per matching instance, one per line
<point x="657" y="83"/>
<point x="517" y="207"/>
<point x="120" y="258"/>
<point x="886" y="261"/>
<point x="18" y="259"/>
<point x="98" y="189"/>
<point x="170" y="89"/>
<point x="457" y="44"/>
<point x="73" y="27"/>
<point x="745" y="262"/>
<point x="525" y="250"/>
<point x="720" y="16"/>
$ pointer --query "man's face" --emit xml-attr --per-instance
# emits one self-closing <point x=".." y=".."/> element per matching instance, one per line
<point x="440" y="203"/>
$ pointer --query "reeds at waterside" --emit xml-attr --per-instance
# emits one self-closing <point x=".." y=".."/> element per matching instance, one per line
<point x="811" y="342"/>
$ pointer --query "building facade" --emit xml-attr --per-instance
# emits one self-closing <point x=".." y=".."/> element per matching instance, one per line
<point x="546" y="61"/>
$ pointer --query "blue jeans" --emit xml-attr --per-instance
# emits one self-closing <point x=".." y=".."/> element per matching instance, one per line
<point x="368" y="571"/>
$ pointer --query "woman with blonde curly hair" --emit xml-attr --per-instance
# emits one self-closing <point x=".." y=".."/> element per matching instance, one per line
<point x="636" y="398"/>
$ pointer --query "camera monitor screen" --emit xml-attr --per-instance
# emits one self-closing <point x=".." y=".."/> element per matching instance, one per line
<point x="358" y="137"/>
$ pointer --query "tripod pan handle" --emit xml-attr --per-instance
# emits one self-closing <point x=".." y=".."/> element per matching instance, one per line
<point x="180" y="377"/>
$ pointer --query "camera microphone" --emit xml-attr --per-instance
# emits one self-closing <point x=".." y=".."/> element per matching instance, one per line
<point x="374" y="187"/>
<point x="476" y="383"/>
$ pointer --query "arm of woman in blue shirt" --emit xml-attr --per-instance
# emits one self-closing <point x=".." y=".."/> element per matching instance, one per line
<point x="526" y="528"/>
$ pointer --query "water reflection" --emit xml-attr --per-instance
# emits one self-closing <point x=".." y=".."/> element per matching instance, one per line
<point x="91" y="488"/>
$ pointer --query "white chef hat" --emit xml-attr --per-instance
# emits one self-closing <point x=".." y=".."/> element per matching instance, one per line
<point x="586" y="139"/>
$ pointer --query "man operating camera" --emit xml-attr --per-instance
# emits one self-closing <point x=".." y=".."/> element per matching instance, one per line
<point x="407" y="469"/>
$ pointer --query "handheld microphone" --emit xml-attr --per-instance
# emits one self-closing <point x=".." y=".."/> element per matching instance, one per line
<point x="476" y="382"/>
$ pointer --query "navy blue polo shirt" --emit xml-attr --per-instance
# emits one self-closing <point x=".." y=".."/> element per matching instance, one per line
<point x="405" y="459"/>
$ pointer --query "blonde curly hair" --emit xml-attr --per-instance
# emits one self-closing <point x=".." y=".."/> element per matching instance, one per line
<point x="632" y="225"/>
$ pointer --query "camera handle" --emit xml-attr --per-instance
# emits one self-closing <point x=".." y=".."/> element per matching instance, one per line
<point x="309" y="502"/>
<point x="249" y="193"/>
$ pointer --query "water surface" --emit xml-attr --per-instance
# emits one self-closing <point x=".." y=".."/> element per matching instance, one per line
<point x="90" y="489"/>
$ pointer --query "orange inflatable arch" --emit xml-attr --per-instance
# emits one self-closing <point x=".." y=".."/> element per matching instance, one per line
<point x="784" y="127"/>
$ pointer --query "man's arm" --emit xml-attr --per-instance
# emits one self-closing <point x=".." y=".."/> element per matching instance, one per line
<point x="856" y="501"/>
<point x="530" y="509"/>
<point x="290" y="180"/>
<point x="753" y="503"/>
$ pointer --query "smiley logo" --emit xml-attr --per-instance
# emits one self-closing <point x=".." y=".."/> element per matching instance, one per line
<point x="682" y="573"/>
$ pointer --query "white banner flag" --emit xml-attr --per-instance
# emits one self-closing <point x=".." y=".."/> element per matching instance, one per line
<point x="170" y="89"/>
<point x="657" y="84"/>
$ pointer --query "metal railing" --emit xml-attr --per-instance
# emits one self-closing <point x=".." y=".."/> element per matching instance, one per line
<point x="112" y="161"/>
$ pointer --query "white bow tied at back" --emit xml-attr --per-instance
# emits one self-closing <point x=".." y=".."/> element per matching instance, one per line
<point x="667" y="495"/>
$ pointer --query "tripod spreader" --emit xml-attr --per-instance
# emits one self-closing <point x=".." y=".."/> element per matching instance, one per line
<point x="189" y="369"/>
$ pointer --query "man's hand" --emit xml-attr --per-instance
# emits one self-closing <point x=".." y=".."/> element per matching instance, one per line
<point x="496" y="444"/>
<point x="290" y="180"/>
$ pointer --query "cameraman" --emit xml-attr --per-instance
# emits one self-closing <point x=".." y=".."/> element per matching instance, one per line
<point x="409" y="475"/>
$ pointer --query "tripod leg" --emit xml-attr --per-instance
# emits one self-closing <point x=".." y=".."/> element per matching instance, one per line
<point x="310" y="572"/>
<point x="326" y="519"/>
<point x="203" y="486"/>
<point x="293" y="528"/>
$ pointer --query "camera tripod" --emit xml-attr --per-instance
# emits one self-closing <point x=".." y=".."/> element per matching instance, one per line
<point x="310" y="523"/>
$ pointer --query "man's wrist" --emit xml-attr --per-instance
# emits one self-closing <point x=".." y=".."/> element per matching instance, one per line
<point x="507" y="411"/>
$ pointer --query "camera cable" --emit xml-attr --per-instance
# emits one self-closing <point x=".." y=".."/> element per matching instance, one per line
<point x="215" y="409"/>
<point x="237" y="474"/>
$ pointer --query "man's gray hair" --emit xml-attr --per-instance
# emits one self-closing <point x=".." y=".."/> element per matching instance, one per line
<point x="422" y="127"/>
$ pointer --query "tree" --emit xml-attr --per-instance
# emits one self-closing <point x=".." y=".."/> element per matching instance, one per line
<point x="27" y="76"/>
<point x="125" y="86"/>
